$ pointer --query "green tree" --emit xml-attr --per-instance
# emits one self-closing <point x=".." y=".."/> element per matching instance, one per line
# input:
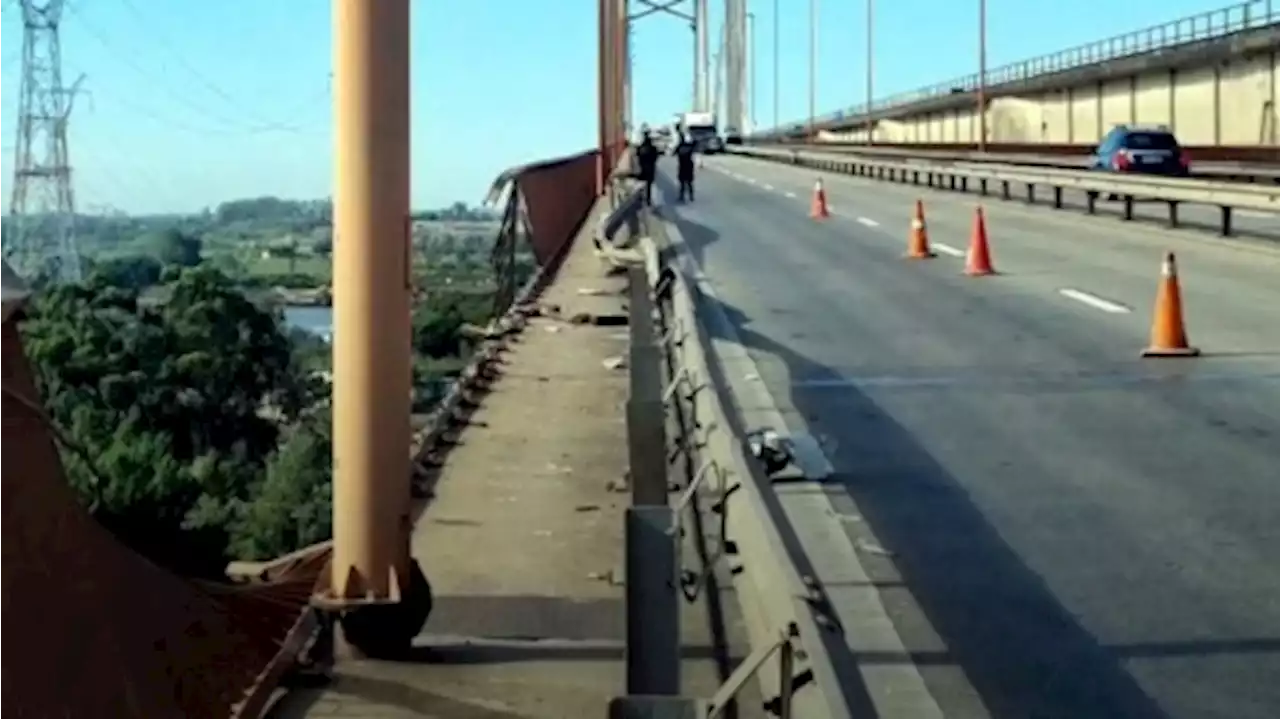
<point x="179" y="406"/>
<point x="292" y="506"/>
<point x="437" y="323"/>
<point x="136" y="272"/>
<point x="174" y="247"/>
<point x="230" y="265"/>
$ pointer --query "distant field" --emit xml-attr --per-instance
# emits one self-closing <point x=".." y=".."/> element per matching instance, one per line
<point x="117" y="251"/>
<point x="320" y="267"/>
<point x="460" y="226"/>
<point x="463" y="262"/>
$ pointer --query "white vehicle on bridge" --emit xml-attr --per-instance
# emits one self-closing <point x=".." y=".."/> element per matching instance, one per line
<point x="702" y="130"/>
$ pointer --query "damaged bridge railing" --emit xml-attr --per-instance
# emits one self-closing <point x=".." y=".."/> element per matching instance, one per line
<point x="688" y="469"/>
<point x="544" y="205"/>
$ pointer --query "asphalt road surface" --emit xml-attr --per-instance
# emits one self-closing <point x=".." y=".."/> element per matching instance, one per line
<point x="1247" y="223"/>
<point x="1026" y="519"/>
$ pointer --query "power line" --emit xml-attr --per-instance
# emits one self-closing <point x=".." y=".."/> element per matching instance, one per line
<point x="233" y="119"/>
<point x="162" y="39"/>
<point x="233" y="122"/>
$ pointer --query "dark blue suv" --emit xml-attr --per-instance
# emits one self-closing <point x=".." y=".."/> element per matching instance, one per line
<point x="1148" y="151"/>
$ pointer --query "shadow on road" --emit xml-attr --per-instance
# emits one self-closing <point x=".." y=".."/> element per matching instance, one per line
<point x="697" y="237"/>
<point x="1021" y="649"/>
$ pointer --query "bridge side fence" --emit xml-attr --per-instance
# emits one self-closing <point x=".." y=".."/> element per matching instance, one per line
<point x="1129" y="189"/>
<point x="1212" y="25"/>
<point x="544" y="206"/>
<point x="693" y="474"/>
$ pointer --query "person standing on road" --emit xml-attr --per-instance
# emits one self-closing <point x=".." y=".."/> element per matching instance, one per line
<point x="647" y="158"/>
<point x="684" y="168"/>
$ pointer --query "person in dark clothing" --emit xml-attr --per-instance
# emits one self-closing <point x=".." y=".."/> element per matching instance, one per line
<point x="684" y="168"/>
<point x="647" y="158"/>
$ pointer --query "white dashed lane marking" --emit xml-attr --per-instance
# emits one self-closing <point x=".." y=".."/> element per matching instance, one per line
<point x="1085" y="298"/>
<point x="1093" y="301"/>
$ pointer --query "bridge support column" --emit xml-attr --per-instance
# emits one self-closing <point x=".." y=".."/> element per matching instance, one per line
<point x="603" y="59"/>
<point x="612" y="87"/>
<point x="379" y="594"/>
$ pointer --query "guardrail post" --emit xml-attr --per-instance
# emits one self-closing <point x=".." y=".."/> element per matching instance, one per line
<point x="656" y="708"/>
<point x="646" y="413"/>
<point x="652" y="601"/>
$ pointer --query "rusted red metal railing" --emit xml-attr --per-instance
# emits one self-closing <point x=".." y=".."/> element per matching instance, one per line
<point x="95" y="629"/>
<point x="612" y="102"/>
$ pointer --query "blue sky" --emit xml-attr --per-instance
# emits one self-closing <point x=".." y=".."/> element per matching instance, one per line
<point x="191" y="102"/>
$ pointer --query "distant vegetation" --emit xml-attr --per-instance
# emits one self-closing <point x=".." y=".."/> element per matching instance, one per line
<point x="269" y="242"/>
<point x="200" y="418"/>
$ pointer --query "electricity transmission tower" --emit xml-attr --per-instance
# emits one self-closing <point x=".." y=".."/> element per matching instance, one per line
<point x="42" y="207"/>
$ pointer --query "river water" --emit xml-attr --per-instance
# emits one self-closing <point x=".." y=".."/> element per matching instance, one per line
<point x="316" y="320"/>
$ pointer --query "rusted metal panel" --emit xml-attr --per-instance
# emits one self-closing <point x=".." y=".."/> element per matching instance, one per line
<point x="96" y="629"/>
<point x="503" y="181"/>
<point x="557" y="198"/>
<point x="556" y="195"/>
<point x="15" y="291"/>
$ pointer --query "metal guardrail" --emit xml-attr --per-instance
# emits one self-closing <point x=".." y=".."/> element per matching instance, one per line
<point x="313" y="628"/>
<point x="1227" y="196"/>
<point x="789" y="660"/>
<point x="1257" y="164"/>
<point x="312" y="633"/>
<point x="450" y="416"/>
<point x="1263" y="154"/>
<point x="1195" y="28"/>
<point x="254" y="702"/>
<point x="627" y="202"/>
<point x="671" y="384"/>
<point x="461" y="398"/>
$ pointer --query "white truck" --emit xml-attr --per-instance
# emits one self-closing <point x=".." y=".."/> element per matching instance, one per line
<point x="701" y="129"/>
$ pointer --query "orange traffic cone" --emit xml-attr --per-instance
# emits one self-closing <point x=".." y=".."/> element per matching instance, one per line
<point x="818" y="209"/>
<point x="918" y="240"/>
<point x="977" y="261"/>
<point x="1168" y="333"/>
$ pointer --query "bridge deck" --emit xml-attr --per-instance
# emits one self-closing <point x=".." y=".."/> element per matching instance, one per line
<point x="1052" y="526"/>
<point x="522" y="542"/>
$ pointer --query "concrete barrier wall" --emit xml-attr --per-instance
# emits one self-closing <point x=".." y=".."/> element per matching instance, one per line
<point x="1232" y="102"/>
